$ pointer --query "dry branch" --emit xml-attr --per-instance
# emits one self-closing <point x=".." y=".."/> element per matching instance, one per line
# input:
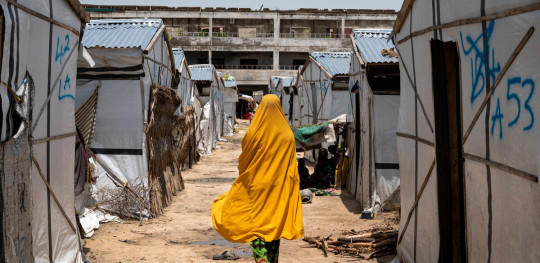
<point x="365" y="245"/>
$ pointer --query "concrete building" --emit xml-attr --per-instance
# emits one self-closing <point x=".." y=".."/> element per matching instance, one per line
<point x="253" y="45"/>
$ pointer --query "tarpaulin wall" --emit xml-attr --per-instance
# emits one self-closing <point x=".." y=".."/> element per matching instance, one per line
<point x="285" y="102"/>
<point x="501" y="152"/>
<point x="373" y="172"/>
<point x="295" y="110"/>
<point x="272" y="84"/>
<point x="218" y="111"/>
<point x="230" y="97"/>
<point x="119" y="140"/>
<point x="186" y="85"/>
<point x="209" y="129"/>
<point x="49" y="53"/>
<point x="316" y="93"/>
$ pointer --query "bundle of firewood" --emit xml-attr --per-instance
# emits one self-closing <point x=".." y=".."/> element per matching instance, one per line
<point x="366" y="245"/>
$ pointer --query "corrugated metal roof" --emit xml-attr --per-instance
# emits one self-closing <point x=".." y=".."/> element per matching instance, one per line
<point x="370" y="43"/>
<point x="178" y="54"/>
<point x="120" y="33"/>
<point x="201" y="72"/>
<point x="336" y="63"/>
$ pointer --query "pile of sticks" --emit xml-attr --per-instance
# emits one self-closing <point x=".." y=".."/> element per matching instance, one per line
<point x="365" y="245"/>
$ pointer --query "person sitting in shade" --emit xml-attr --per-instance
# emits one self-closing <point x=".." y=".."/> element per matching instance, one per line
<point x="304" y="174"/>
<point x="321" y="176"/>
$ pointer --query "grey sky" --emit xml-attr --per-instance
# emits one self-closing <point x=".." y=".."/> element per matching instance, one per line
<point x="255" y="4"/>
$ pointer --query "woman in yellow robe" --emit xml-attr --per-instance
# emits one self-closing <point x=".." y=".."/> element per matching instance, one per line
<point x="263" y="204"/>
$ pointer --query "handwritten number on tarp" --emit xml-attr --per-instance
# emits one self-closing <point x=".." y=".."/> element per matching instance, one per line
<point x="529" y="82"/>
<point x="61" y="49"/>
<point x="476" y="49"/>
<point x="478" y="60"/>
<point x="19" y="245"/>
<point x="513" y="96"/>
<point x="64" y="92"/>
<point x="498" y="116"/>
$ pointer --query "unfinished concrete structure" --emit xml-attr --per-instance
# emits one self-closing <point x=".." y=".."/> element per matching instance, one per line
<point x="253" y="45"/>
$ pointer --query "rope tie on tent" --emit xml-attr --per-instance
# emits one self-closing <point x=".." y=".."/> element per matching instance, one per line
<point x="18" y="99"/>
<point x="54" y="86"/>
<point x="48" y="19"/>
<point x="53" y="195"/>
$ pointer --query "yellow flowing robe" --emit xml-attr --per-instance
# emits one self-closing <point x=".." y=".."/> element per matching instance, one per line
<point x="264" y="201"/>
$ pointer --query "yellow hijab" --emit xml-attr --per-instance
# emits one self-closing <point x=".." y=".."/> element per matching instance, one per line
<point x="264" y="201"/>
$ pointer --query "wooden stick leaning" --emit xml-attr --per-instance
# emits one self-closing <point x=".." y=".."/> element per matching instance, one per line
<point x="43" y="17"/>
<point x="417" y="199"/>
<point x="53" y="194"/>
<point x="412" y="137"/>
<point x="503" y="167"/>
<point x="52" y="138"/>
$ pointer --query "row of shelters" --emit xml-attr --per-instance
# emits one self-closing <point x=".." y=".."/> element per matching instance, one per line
<point x="360" y="90"/>
<point x="218" y="95"/>
<point x="110" y="109"/>
<point x="429" y="123"/>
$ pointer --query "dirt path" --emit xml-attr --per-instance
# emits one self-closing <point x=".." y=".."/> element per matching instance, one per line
<point x="184" y="233"/>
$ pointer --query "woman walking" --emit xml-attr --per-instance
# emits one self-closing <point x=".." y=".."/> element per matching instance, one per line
<point x="263" y="204"/>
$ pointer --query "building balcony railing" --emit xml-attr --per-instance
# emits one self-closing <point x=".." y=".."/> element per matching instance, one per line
<point x="221" y="34"/>
<point x="289" y="67"/>
<point x="281" y="67"/>
<point x="244" y="67"/>
<point x="309" y="35"/>
<point x="254" y="35"/>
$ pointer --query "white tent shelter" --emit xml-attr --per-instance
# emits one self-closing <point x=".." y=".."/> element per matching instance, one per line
<point x="283" y="88"/>
<point x="468" y="144"/>
<point x="323" y="87"/>
<point x="286" y="96"/>
<point x="186" y="86"/>
<point x="187" y="90"/>
<point x="374" y="80"/>
<point x="40" y="45"/>
<point x="230" y="98"/>
<point x="208" y="87"/>
<point x="130" y="55"/>
<point x="272" y="84"/>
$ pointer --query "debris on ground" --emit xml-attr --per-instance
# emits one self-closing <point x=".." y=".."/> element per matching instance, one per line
<point x="324" y="192"/>
<point x="225" y="256"/>
<point x="365" y="244"/>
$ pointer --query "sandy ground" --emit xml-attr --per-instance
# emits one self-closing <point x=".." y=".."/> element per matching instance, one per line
<point x="184" y="233"/>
